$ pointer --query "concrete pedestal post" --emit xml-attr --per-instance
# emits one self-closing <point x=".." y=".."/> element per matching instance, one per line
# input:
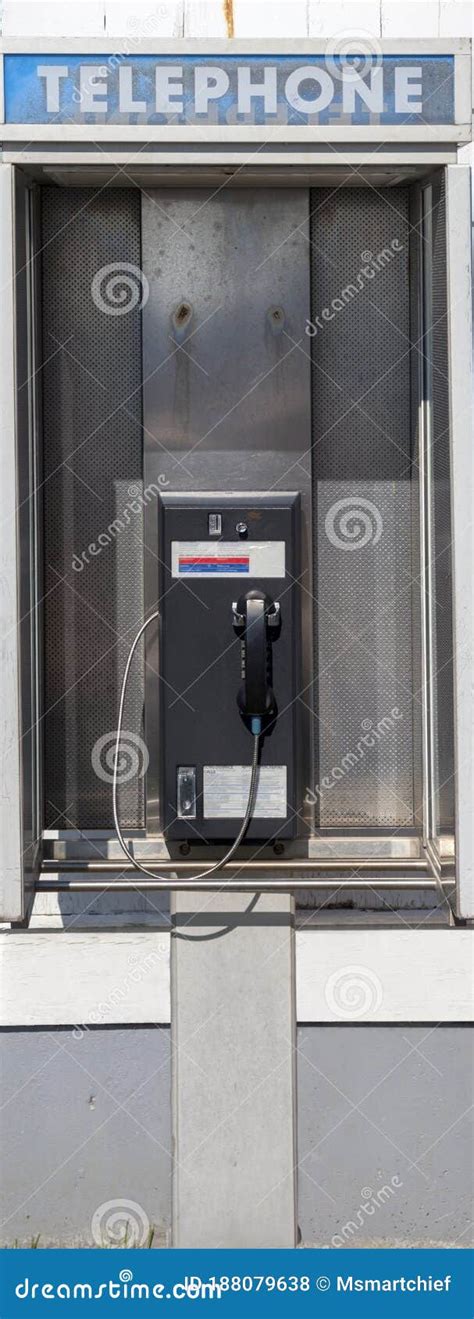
<point x="233" y="1070"/>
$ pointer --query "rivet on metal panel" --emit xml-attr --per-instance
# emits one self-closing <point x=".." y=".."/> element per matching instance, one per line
<point x="276" y="319"/>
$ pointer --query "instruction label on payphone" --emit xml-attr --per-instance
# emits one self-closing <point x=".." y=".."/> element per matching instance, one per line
<point x="226" y="790"/>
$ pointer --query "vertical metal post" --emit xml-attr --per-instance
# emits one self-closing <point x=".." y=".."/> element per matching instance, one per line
<point x="426" y="530"/>
<point x="458" y="256"/>
<point x="19" y="666"/>
<point x="11" y="871"/>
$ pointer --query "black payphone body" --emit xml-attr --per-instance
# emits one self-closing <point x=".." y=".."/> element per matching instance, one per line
<point x="229" y="663"/>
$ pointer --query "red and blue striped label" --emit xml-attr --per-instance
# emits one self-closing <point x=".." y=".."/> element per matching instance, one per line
<point x="213" y="563"/>
<point x="227" y="558"/>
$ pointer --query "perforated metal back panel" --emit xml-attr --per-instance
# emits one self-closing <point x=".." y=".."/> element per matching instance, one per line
<point x="92" y="517"/>
<point x="443" y="748"/>
<point x="362" y="507"/>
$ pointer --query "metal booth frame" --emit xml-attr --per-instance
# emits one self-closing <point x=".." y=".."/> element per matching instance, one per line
<point x="68" y="152"/>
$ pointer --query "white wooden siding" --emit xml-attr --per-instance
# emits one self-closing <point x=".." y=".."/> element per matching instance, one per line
<point x="118" y="977"/>
<point x="251" y="18"/>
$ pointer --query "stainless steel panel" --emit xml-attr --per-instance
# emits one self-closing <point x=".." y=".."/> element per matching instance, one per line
<point x="93" y="600"/>
<point x="364" y="763"/>
<point x="226" y="369"/>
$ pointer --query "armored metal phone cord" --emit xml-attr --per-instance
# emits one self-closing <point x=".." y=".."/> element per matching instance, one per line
<point x="252" y="789"/>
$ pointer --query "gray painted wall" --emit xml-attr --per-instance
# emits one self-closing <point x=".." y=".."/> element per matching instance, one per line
<point x="382" y="1109"/>
<point x="85" y="1120"/>
<point x="378" y="1103"/>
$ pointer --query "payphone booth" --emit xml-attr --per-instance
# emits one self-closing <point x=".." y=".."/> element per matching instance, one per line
<point x="236" y="434"/>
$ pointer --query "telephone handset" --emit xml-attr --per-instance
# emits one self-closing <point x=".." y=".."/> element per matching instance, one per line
<point x="257" y="621"/>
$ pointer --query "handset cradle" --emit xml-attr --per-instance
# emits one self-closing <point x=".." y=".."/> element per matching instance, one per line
<point x="257" y="621"/>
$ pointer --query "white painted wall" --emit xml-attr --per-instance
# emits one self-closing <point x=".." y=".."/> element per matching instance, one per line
<point x="251" y="18"/>
<point x="121" y="977"/>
